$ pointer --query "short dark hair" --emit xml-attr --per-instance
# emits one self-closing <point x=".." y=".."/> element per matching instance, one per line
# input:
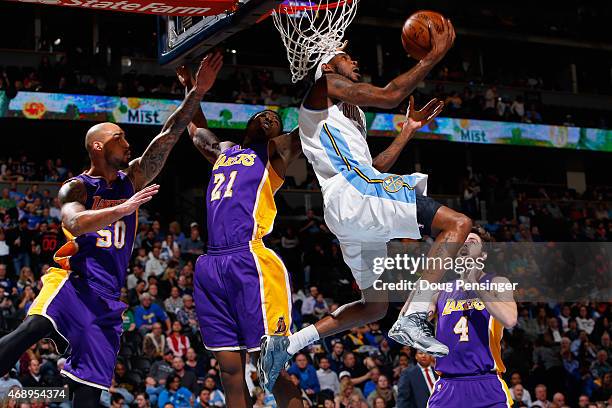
<point x="482" y="233"/>
<point x="252" y="118"/>
<point x="116" y="397"/>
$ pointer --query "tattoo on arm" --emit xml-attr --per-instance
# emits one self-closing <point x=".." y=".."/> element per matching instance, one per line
<point x="144" y="169"/>
<point x="73" y="191"/>
<point x="207" y="143"/>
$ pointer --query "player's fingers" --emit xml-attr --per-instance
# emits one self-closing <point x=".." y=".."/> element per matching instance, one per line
<point x="410" y="105"/>
<point x="436" y="112"/>
<point x="430" y="105"/>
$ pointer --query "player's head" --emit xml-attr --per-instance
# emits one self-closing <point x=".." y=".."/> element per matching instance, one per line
<point x="263" y="126"/>
<point x="339" y="63"/>
<point x="474" y="245"/>
<point x="106" y="143"/>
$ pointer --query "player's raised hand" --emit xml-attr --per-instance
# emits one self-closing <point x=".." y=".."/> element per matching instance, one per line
<point x="416" y="119"/>
<point x="207" y="73"/>
<point x="143" y="196"/>
<point x="441" y="41"/>
<point x="185" y="76"/>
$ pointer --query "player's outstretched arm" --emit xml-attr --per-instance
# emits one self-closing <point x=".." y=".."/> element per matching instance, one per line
<point x="145" y="168"/>
<point x="501" y="305"/>
<point x="203" y="139"/>
<point x="390" y="96"/>
<point x="284" y="149"/>
<point x="77" y="220"/>
<point x="415" y="119"/>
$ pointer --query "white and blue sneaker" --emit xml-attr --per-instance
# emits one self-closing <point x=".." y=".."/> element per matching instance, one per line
<point x="273" y="358"/>
<point x="416" y="331"/>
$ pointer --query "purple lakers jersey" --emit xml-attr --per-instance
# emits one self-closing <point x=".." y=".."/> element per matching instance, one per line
<point x="472" y="335"/>
<point x="102" y="257"/>
<point x="240" y="196"/>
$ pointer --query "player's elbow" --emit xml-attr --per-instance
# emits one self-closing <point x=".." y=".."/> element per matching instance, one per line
<point x="510" y="320"/>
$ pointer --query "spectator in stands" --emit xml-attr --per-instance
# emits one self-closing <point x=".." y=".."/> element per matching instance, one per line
<point x="154" y="292"/>
<point x="33" y="378"/>
<point x="195" y="364"/>
<point x="160" y="369"/>
<point x="416" y="383"/>
<point x="135" y="293"/>
<point x="148" y="313"/>
<point x="188" y="378"/>
<point x="174" y="303"/>
<point x="383" y="390"/>
<point x="142" y="400"/>
<point x="174" y="394"/>
<point x="336" y="358"/>
<point x="540" y="395"/>
<point x="154" y="343"/>
<point x="203" y="400"/>
<point x="21" y="245"/>
<point x="7" y="383"/>
<point x="328" y="379"/>
<point x="187" y="314"/>
<point x="518" y="396"/>
<point x="349" y="395"/>
<point x="136" y="275"/>
<point x="155" y="266"/>
<point x="217" y="398"/>
<point x="308" y="305"/>
<point x="307" y="374"/>
<point x="600" y="366"/>
<point x="178" y="342"/>
<point x="193" y="247"/>
<point x="517" y="109"/>
<point x="603" y="392"/>
<point x="123" y="379"/>
<point x="584" y="321"/>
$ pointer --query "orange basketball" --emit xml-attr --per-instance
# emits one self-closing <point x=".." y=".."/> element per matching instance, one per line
<point x="415" y="33"/>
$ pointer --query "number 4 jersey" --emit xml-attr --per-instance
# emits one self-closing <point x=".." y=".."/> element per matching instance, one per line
<point x="102" y="257"/>
<point x="240" y="196"/>
<point x="472" y="335"/>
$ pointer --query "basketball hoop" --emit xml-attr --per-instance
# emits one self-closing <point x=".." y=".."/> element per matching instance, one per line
<point x="311" y="29"/>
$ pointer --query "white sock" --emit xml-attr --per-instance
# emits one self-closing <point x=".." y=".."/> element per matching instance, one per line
<point x="302" y="338"/>
<point x="420" y="301"/>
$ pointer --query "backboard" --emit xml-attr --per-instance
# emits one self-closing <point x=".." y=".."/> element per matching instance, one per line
<point x="185" y="38"/>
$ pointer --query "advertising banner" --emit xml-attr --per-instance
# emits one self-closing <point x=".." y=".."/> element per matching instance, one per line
<point x="166" y="7"/>
<point x="148" y="111"/>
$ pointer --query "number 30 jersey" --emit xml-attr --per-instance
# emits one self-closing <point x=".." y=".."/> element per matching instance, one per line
<point x="472" y="335"/>
<point x="240" y="196"/>
<point x="102" y="257"/>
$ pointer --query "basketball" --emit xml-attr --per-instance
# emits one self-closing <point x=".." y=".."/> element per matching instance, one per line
<point x="415" y="32"/>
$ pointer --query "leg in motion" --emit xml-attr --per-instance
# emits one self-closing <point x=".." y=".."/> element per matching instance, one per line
<point x="14" y="344"/>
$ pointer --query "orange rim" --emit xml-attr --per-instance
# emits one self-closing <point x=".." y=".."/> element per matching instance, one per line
<point x="291" y="9"/>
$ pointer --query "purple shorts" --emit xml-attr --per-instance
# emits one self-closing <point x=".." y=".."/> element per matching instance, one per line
<point x="89" y="322"/>
<point x="241" y="293"/>
<point x="477" y="391"/>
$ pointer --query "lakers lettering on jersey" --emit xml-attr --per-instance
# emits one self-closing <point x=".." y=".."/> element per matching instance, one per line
<point x="472" y="335"/>
<point x="240" y="197"/>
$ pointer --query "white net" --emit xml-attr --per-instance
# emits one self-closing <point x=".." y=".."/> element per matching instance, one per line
<point x="311" y="31"/>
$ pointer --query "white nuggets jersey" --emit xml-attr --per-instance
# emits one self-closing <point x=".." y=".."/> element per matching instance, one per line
<point x="349" y="120"/>
<point x="364" y="208"/>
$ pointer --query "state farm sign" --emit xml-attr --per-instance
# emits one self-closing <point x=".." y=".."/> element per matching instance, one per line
<point x="165" y="7"/>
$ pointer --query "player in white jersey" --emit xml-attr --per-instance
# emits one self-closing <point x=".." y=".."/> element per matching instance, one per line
<point x="365" y="207"/>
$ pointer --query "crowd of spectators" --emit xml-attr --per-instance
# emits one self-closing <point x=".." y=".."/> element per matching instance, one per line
<point x="558" y="355"/>
<point x="256" y="86"/>
<point x="25" y="169"/>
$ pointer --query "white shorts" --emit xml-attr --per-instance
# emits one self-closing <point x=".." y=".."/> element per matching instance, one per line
<point x="365" y="209"/>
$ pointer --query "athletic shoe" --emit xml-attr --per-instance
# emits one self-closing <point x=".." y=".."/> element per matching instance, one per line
<point x="272" y="360"/>
<point x="416" y="331"/>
